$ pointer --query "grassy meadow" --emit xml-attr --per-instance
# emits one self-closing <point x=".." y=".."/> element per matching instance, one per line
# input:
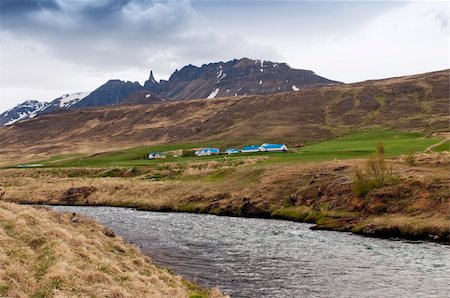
<point x="356" y="145"/>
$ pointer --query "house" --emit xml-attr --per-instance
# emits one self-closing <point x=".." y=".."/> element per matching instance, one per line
<point x="231" y="151"/>
<point x="273" y="147"/>
<point x="252" y="148"/>
<point x="155" y="155"/>
<point x="207" y="151"/>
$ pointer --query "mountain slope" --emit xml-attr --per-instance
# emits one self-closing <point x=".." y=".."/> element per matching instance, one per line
<point x="412" y="103"/>
<point x="233" y="78"/>
<point x="143" y="97"/>
<point x="65" y="101"/>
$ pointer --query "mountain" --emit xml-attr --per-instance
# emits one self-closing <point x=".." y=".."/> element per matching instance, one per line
<point x="111" y="93"/>
<point x="411" y="103"/>
<point x="32" y="108"/>
<point x="25" y="110"/>
<point x="222" y="79"/>
<point x="233" y="78"/>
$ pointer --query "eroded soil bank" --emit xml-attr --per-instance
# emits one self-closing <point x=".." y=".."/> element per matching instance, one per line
<point x="416" y="208"/>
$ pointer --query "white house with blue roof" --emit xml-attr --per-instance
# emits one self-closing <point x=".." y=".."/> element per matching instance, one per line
<point x="232" y="151"/>
<point x="273" y="147"/>
<point x="207" y="151"/>
<point x="249" y="149"/>
<point x="265" y="148"/>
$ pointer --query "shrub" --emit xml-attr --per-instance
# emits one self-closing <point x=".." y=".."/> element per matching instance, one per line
<point x="375" y="174"/>
<point x="410" y="159"/>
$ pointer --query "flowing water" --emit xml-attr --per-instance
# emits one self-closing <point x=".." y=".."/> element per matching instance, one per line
<point x="270" y="258"/>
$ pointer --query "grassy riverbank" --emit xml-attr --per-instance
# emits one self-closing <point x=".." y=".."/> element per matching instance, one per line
<point x="48" y="254"/>
<point x="417" y="207"/>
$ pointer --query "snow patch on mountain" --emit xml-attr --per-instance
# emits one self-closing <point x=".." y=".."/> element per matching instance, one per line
<point x="21" y="112"/>
<point x="69" y="100"/>
<point x="214" y="93"/>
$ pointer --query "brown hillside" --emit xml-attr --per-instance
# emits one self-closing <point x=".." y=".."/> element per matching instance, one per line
<point x="412" y="103"/>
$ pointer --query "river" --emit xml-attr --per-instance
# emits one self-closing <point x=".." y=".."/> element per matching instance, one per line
<point x="246" y="257"/>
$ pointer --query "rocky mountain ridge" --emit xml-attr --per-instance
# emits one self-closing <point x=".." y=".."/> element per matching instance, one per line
<point x="233" y="78"/>
<point x="221" y="79"/>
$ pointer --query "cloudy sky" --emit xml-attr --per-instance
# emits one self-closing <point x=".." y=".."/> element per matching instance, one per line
<point x="52" y="47"/>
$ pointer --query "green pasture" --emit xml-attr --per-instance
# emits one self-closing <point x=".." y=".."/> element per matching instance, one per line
<point x="356" y="145"/>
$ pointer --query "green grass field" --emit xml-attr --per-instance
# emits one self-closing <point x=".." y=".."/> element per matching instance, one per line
<point x="442" y="147"/>
<point x="356" y="145"/>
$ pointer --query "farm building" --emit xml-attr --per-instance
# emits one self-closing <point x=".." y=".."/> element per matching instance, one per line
<point x="252" y="148"/>
<point x="231" y="151"/>
<point x="273" y="147"/>
<point x="207" y="151"/>
<point x="264" y="148"/>
<point x="155" y="155"/>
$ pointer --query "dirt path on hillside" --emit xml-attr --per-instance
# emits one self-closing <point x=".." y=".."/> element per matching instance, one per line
<point x="430" y="148"/>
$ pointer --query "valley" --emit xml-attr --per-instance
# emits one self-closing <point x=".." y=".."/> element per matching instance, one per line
<point x="309" y="184"/>
<point x="208" y="149"/>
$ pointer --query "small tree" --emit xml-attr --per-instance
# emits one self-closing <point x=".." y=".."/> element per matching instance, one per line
<point x="375" y="174"/>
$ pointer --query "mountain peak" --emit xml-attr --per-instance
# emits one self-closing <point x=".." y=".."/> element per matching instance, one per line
<point x="151" y="78"/>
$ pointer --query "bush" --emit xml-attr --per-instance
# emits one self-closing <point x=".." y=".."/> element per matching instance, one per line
<point x="376" y="173"/>
<point x="410" y="160"/>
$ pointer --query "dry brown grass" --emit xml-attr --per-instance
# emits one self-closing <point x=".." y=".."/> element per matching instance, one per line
<point x="409" y="226"/>
<point x="48" y="254"/>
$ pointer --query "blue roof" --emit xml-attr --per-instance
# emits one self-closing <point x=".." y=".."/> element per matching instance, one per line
<point x="213" y="150"/>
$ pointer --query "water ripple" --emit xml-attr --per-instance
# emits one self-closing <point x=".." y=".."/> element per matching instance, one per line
<point x="268" y="258"/>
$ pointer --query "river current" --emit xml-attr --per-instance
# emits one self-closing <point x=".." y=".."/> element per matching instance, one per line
<point x="247" y="257"/>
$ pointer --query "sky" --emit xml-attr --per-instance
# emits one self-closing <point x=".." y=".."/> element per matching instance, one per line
<point x="52" y="47"/>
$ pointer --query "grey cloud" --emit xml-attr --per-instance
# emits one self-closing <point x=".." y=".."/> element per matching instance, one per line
<point x="112" y="35"/>
<point x="15" y="7"/>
